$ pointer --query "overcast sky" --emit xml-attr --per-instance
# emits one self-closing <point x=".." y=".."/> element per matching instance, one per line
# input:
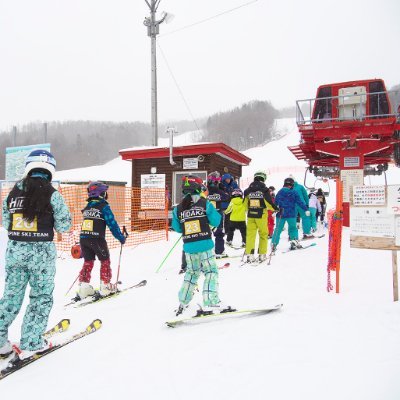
<point x="90" y="59"/>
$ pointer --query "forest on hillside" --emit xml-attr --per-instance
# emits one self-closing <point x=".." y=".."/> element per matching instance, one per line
<point x="78" y="144"/>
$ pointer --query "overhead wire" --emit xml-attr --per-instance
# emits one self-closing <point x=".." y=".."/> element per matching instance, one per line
<point x="209" y="18"/>
<point x="186" y="27"/>
<point x="178" y="87"/>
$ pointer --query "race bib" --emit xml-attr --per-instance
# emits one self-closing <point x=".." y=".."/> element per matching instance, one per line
<point x="87" y="225"/>
<point x="192" y="227"/>
<point x="254" y="203"/>
<point x="21" y="224"/>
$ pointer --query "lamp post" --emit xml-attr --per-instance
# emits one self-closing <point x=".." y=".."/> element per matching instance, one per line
<point x="153" y="30"/>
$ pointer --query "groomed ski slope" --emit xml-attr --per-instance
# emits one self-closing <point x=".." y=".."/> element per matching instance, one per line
<point x="321" y="346"/>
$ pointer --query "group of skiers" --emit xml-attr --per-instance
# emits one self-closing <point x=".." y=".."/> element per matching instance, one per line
<point x="33" y="210"/>
<point x="221" y="207"/>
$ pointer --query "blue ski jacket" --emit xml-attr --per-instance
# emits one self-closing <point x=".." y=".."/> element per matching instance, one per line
<point x="287" y="199"/>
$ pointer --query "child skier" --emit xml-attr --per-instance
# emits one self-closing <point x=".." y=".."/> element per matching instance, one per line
<point x="193" y="217"/>
<point x="31" y="213"/>
<point x="288" y="200"/>
<point x="204" y="193"/>
<point x="217" y="197"/>
<point x="96" y="216"/>
<point x="314" y="207"/>
<point x="258" y="201"/>
<point x="237" y="211"/>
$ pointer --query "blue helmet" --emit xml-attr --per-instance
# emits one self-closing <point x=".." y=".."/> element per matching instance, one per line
<point x="40" y="160"/>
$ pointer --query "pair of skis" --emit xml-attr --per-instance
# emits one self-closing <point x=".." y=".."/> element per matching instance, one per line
<point x="15" y="364"/>
<point x="222" y="316"/>
<point x="97" y="298"/>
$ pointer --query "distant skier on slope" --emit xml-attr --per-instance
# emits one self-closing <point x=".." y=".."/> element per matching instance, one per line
<point x="258" y="201"/>
<point x="287" y="199"/>
<point x="31" y="213"/>
<point x="193" y="217"/>
<point x="97" y="215"/>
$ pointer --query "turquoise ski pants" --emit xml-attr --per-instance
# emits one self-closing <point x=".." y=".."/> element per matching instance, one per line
<point x="292" y="229"/>
<point x="33" y="263"/>
<point x="313" y="218"/>
<point x="197" y="263"/>
<point x="305" y="221"/>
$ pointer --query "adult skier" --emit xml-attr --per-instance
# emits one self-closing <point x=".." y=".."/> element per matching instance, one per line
<point x="258" y="201"/>
<point x="193" y="217"/>
<point x="31" y="213"/>
<point x="97" y="215"/>
<point x="217" y="197"/>
<point x="305" y="219"/>
<point x="288" y="200"/>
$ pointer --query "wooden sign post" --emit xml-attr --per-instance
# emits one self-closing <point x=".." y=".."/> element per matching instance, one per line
<point x="375" y="222"/>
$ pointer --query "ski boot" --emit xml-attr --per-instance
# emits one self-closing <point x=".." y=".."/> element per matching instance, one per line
<point x="295" y="244"/>
<point x="24" y="354"/>
<point x="262" y="258"/>
<point x="5" y="350"/>
<point x="250" y="258"/>
<point x="85" y="289"/>
<point x="181" y="309"/>
<point x="221" y="255"/>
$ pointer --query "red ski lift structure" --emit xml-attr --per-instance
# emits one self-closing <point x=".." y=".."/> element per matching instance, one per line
<point x="349" y="130"/>
<point x="349" y="125"/>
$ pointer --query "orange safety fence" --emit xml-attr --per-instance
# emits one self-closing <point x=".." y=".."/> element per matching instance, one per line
<point x="143" y="212"/>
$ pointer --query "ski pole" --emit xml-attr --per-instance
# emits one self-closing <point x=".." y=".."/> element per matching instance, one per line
<point x="125" y="233"/>
<point x="72" y="285"/>
<point x="165" y="258"/>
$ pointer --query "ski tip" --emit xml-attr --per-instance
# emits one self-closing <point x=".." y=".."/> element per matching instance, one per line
<point x="95" y="325"/>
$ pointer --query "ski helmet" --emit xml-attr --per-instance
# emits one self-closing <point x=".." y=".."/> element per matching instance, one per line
<point x="261" y="175"/>
<point x="214" y="178"/>
<point x="237" y="193"/>
<point x="97" y="189"/>
<point x="288" y="182"/>
<point x="41" y="161"/>
<point x="191" y="184"/>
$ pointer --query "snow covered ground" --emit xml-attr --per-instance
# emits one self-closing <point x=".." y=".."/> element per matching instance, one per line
<point x="320" y="346"/>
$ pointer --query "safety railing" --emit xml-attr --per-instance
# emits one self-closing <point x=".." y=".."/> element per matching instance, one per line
<point x="348" y="107"/>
